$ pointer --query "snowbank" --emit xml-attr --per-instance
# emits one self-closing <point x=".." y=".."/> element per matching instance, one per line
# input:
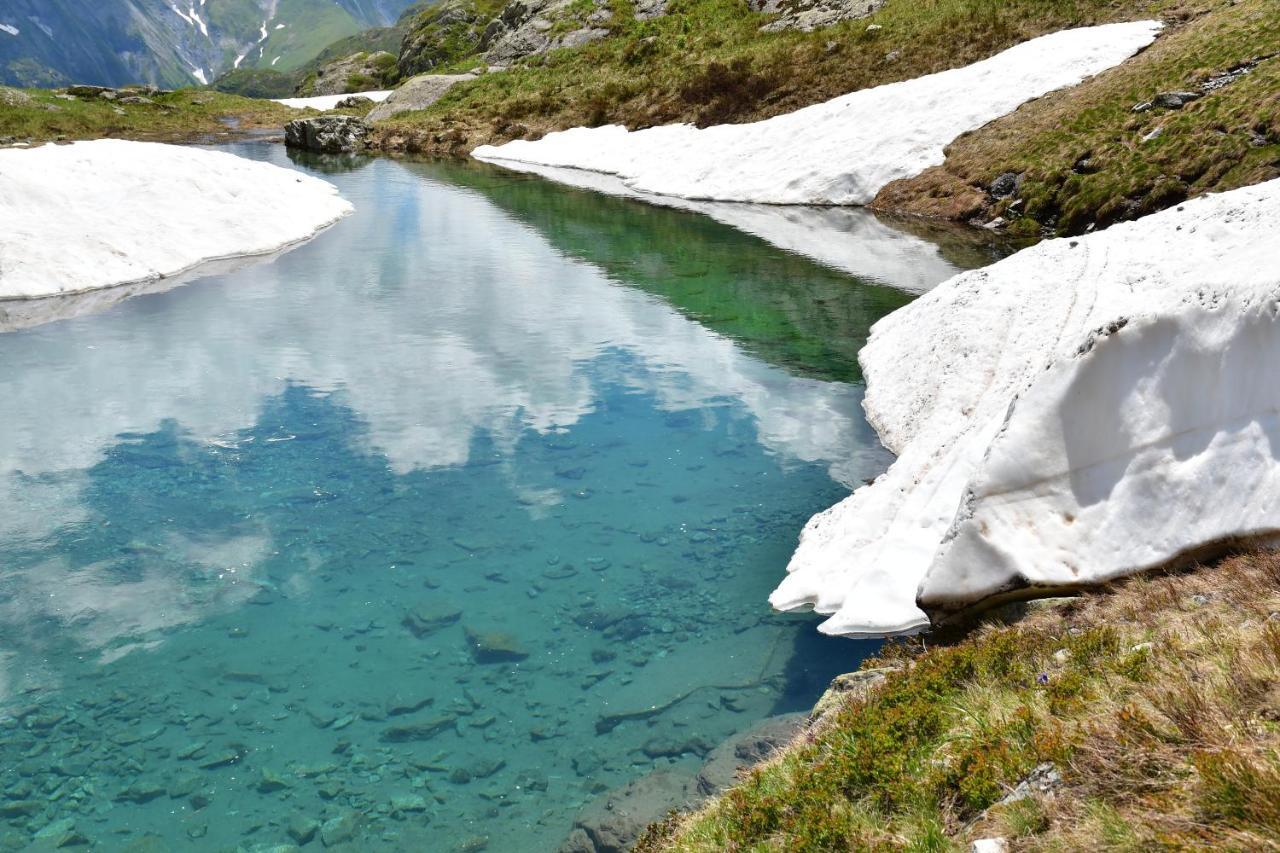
<point x="1082" y="410"/>
<point x="104" y="213"/>
<point x="842" y="151"/>
<point x="328" y="102"/>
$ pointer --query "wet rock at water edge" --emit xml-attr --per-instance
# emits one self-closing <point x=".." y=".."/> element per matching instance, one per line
<point x="851" y="686"/>
<point x="612" y="823"/>
<point x="674" y="746"/>
<point x="746" y="750"/>
<point x="494" y="646"/>
<point x="418" y="729"/>
<point x="326" y="134"/>
<point x="429" y="617"/>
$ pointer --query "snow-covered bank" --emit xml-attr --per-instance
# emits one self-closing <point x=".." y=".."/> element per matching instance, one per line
<point x="1082" y="410"/>
<point x="848" y="239"/>
<point x="842" y="151"/>
<point x="98" y="214"/>
<point x="328" y="102"/>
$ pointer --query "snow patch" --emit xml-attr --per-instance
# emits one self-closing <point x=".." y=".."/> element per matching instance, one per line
<point x="328" y="102"/>
<point x="274" y="61"/>
<point x="11" y="30"/>
<point x="198" y="73"/>
<point x="1082" y="410"/>
<point x="97" y="214"/>
<point x="181" y="14"/>
<point x="842" y="151"/>
<point x="199" y="22"/>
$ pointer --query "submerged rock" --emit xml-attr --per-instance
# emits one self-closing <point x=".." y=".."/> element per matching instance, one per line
<point x="613" y="822"/>
<point x="418" y="729"/>
<point x="746" y="750"/>
<point x="429" y="617"/>
<point x="494" y="646"/>
<point x="326" y="134"/>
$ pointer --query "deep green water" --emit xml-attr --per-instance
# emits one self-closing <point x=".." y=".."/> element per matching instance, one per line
<point x="253" y="529"/>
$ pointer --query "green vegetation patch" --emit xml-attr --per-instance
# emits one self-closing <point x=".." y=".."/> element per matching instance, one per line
<point x="1147" y="711"/>
<point x="36" y="115"/>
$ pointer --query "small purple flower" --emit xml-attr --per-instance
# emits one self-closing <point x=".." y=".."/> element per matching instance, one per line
<point x="1042" y="679"/>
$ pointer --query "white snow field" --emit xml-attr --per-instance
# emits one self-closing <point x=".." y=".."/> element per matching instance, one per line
<point x="1082" y="410"/>
<point x="328" y="102"/>
<point x="98" y="214"/>
<point x="842" y="151"/>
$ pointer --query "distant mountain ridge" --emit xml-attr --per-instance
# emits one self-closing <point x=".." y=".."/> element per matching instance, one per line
<point x="171" y="42"/>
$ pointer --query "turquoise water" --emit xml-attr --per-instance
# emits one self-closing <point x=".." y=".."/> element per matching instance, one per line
<point x="432" y="529"/>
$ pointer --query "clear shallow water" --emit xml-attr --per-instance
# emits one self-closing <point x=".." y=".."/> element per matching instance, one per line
<point x="447" y="521"/>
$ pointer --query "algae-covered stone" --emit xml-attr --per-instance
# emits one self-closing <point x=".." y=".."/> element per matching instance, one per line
<point x="494" y="646"/>
<point x="270" y="781"/>
<point x="429" y="617"/>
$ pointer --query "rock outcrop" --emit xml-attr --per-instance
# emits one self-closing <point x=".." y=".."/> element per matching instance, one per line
<point x="807" y="15"/>
<point x="326" y="134"/>
<point x="358" y="72"/>
<point x="417" y="94"/>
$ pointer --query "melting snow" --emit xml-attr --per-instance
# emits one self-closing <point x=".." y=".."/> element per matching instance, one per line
<point x="97" y="214"/>
<point x="842" y="151"/>
<point x="328" y="102"/>
<point x="1082" y="410"/>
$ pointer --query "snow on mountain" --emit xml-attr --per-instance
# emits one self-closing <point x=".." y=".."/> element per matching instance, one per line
<point x="170" y="42"/>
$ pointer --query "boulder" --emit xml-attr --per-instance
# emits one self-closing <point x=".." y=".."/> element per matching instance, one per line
<point x="809" y="15"/>
<point x="326" y="134"/>
<point x="530" y="27"/>
<point x="354" y="102"/>
<point x="1174" y="100"/>
<point x="417" y="93"/>
<point x="494" y="646"/>
<point x="82" y="91"/>
<point x="356" y="72"/>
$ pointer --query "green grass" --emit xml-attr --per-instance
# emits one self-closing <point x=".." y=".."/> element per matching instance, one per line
<point x="1086" y="155"/>
<point x="181" y="115"/>
<point x="1171" y="745"/>
<point x="706" y="61"/>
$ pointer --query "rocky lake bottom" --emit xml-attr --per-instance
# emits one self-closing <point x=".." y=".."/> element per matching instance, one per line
<point x="423" y="536"/>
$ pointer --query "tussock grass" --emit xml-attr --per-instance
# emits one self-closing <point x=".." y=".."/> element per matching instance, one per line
<point x="706" y="62"/>
<point x="37" y="115"/>
<point x="1156" y="699"/>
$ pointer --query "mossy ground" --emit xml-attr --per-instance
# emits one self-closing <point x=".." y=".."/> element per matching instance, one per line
<point x="180" y="116"/>
<point x="1157" y="700"/>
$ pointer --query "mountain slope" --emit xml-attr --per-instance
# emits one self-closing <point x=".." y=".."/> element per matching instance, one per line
<point x="112" y="42"/>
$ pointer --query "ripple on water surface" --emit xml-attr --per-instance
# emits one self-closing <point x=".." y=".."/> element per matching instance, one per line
<point x="425" y="534"/>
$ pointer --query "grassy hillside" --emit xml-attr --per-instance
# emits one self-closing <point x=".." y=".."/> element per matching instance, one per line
<point x="37" y="115"/>
<point x="706" y="61"/>
<point x="1088" y="159"/>
<point x="1145" y="714"/>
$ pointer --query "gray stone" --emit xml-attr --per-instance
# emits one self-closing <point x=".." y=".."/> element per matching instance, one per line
<point x="82" y="91"/>
<point x="354" y="102"/>
<point x="846" y="688"/>
<point x="334" y="78"/>
<point x="417" y="93"/>
<point x="809" y="15"/>
<point x="1006" y="185"/>
<point x="1043" y="781"/>
<point x="326" y="134"/>
<point x="1174" y="100"/>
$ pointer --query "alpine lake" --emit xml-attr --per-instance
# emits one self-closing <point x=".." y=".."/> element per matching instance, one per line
<point x="433" y="531"/>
